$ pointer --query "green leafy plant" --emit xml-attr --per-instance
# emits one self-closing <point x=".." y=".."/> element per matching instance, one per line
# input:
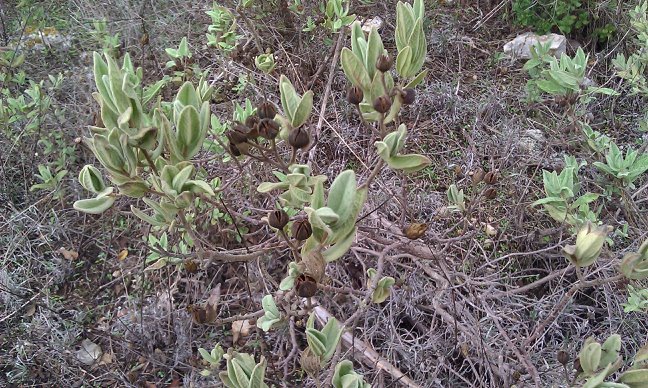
<point x="109" y="43"/>
<point x="564" y="77"/>
<point x="322" y="343"/>
<point x="242" y="371"/>
<point x="635" y="264"/>
<point x="632" y="68"/>
<point x="271" y="316"/>
<point x="637" y="300"/>
<point x="456" y="198"/>
<point x="337" y="15"/>
<point x="599" y="361"/>
<point x="345" y="377"/>
<point x="543" y="15"/>
<point x="50" y="182"/>
<point x="589" y="242"/>
<point x="383" y="286"/>
<point x="367" y="65"/>
<point x="221" y="33"/>
<point x="561" y="201"/>
<point x="624" y="170"/>
<point x="213" y="358"/>
<point x="265" y="62"/>
<point x="390" y="147"/>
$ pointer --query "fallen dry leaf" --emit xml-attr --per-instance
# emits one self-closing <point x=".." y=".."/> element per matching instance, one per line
<point x="240" y="329"/>
<point x="30" y="310"/>
<point x="69" y="255"/>
<point x="415" y="230"/>
<point x="89" y="352"/>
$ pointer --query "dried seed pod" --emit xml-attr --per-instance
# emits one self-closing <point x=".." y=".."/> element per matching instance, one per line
<point x="248" y="132"/>
<point x="355" y="95"/>
<point x="563" y="357"/>
<point x="490" y="193"/>
<point x="266" y="110"/>
<point x="301" y="229"/>
<point x="415" y="230"/>
<point x="299" y="138"/>
<point x="382" y="104"/>
<point x="237" y="135"/>
<point x="491" y="177"/>
<point x="478" y="176"/>
<point x="306" y="286"/>
<point x="408" y="96"/>
<point x="310" y="362"/>
<point x="252" y="121"/>
<point x="234" y="149"/>
<point x="278" y="219"/>
<point x="384" y="63"/>
<point x="268" y="128"/>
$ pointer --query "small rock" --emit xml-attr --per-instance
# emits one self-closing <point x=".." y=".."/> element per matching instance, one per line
<point x="374" y="22"/>
<point x="89" y="352"/>
<point x="520" y="47"/>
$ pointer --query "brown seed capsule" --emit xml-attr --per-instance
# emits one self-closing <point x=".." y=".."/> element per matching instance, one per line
<point x="268" y="128"/>
<point x="299" y="138"/>
<point x="355" y="95"/>
<point x="478" y="176"/>
<point x="252" y="121"/>
<point x="382" y="104"/>
<point x="266" y="110"/>
<point x="491" y="177"/>
<point x="563" y="357"/>
<point x="301" y="229"/>
<point x="234" y="149"/>
<point x="577" y="366"/>
<point x="278" y="219"/>
<point x="490" y="193"/>
<point x="237" y="135"/>
<point x="415" y="230"/>
<point x="306" y="286"/>
<point x="384" y="63"/>
<point x="408" y="96"/>
<point x="250" y="133"/>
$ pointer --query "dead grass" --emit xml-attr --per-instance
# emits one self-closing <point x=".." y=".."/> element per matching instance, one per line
<point x="458" y="315"/>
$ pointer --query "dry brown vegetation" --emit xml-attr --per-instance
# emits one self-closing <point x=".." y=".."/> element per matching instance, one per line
<point x="482" y="299"/>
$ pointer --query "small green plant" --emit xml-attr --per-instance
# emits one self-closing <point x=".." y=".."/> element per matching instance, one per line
<point x="213" y="358"/>
<point x="336" y="14"/>
<point x="561" y="201"/>
<point x="181" y="63"/>
<point x="543" y="15"/>
<point x="637" y="300"/>
<point x="345" y="377"/>
<point x="109" y="43"/>
<point x="564" y="77"/>
<point x="242" y="371"/>
<point x="635" y="264"/>
<point x="272" y="315"/>
<point x="624" y="170"/>
<point x="632" y="68"/>
<point x="49" y="181"/>
<point x="596" y="141"/>
<point x="367" y="65"/>
<point x="599" y="361"/>
<point x="321" y="344"/>
<point x="589" y="243"/>
<point x="383" y="286"/>
<point x="265" y="62"/>
<point x="221" y="33"/>
<point x="456" y="198"/>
